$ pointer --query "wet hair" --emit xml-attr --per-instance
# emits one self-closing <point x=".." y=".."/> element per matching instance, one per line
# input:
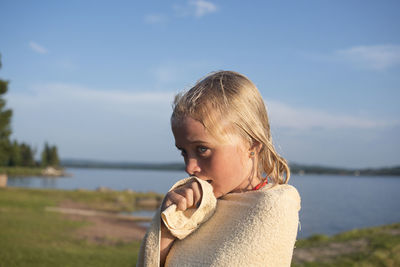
<point x="227" y="103"/>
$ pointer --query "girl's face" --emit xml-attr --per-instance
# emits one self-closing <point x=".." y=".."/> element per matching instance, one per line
<point x="227" y="167"/>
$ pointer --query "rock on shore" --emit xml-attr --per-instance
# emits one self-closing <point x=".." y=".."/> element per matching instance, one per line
<point x="50" y="171"/>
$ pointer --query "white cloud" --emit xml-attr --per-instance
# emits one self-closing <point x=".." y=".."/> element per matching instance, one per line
<point x="89" y="123"/>
<point x="300" y="118"/>
<point x="196" y="8"/>
<point x="375" y="57"/>
<point x="155" y="19"/>
<point x="150" y="103"/>
<point x="203" y="7"/>
<point x="80" y="97"/>
<point x="37" y="48"/>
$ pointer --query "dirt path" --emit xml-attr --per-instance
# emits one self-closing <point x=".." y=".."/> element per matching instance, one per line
<point x="328" y="252"/>
<point x="102" y="227"/>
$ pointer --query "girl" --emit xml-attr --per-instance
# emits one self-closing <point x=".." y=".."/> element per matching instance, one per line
<point x="226" y="213"/>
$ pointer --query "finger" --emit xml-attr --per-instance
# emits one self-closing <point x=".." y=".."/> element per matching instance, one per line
<point x="170" y="199"/>
<point x="181" y="203"/>
<point x="188" y="195"/>
<point x="178" y="200"/>
<point x="192" y="192"/>
<point x="184" y="197"/>
<point x="197" y="193"/>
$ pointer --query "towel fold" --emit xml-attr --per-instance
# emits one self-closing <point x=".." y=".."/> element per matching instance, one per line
<point x="179" y="223"/>
<point x="182" y="223"/>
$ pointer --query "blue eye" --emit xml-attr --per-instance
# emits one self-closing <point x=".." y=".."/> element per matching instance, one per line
<point x="202" y="149"/>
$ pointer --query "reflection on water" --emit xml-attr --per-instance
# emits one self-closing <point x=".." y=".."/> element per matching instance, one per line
<point x="31" y="182"/>
<point x="143" y="213"/>
<point x="329" y="203"/>
<point x="137" y="180"/>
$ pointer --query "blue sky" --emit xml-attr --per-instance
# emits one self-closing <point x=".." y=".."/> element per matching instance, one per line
<point x="97" y="78"/>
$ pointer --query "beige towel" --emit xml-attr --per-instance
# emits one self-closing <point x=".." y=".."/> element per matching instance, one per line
<point x="183" y="223"/>
<point x="255" y="228"/>
<point x="179" y="223"/>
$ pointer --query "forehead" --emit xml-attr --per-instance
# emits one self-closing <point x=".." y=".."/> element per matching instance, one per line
<point x="189" y="129"/>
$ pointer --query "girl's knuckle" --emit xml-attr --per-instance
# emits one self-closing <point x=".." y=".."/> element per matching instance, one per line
<point x="182" y="201"/>
<point x="188" y="192"/>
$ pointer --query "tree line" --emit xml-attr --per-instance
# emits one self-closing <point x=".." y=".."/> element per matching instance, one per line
<point x="14" y="153"/>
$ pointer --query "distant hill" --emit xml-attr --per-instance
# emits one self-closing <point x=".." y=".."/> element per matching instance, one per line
<point x="174" y="166"/>
<point x="316" y="169"/>
<point x="76" y="163"/>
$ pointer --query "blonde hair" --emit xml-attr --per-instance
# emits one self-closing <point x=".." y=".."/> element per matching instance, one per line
<point x="226" y="103"/>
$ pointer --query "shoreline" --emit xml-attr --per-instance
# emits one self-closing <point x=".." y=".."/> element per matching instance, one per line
<point x="34" y="171"/>
<point x="299" y="169"/>
<point x="28" y="172"/>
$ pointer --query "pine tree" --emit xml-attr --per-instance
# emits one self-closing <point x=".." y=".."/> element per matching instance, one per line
<point x="15" y="154"/>
<point x="50" y="156"/>
<point x="45" y="156"/>
<point x="55" y="161"/>
<point x="27" y="155"/>
<point x="5" y="128"/>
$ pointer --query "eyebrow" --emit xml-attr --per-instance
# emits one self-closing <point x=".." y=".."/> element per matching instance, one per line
<point x="194" y="142"/>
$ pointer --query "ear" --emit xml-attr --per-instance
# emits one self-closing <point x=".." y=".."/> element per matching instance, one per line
<point x="256" y="147"/>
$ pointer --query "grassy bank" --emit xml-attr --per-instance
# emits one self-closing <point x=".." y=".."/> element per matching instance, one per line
<point x="375" y="246"/>
<point x="33" y="171"/>
<point x="30" y="236"/>
<point x="22" y="171"/>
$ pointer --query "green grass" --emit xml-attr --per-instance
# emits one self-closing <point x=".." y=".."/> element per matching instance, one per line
<point x="113" y="201"/>
<point x="30" y="236"/>
<point x="22" y="171"/>
<point x="382" y="247"/>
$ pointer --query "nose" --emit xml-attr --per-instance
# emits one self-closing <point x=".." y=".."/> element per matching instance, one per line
<point x="192" y="166"/>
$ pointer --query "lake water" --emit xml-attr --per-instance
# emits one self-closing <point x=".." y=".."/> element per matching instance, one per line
<point x="330" y="203"/>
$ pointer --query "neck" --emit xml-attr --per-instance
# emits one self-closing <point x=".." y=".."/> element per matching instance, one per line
<point x="249" y="184"/>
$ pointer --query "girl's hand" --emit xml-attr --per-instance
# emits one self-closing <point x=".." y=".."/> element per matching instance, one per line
<point x="184" y="197"/>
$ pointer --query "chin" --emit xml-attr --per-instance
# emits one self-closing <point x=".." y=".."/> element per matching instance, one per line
<point x="217" y="194"/>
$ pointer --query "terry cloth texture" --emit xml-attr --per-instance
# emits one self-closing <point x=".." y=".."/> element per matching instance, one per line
<point x="179" y="223"/>
<point x="183" y="223"/>
<point x="254" y="228"/>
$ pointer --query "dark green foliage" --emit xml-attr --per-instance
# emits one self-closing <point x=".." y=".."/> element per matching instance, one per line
<point x="5" y="129"/>
<point x="27" y="158"/>
<point x="45" y="155"/>
<point x="15" y="155"/>
<point x="54" y="160"/>
<point x="315" y="169"/>
<point x="3" y="88"/>
<point x="21" y="155"/>
<point x="50" y="156"/>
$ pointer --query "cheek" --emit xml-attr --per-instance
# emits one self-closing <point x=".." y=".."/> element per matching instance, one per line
<point x="229" y="164"/>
